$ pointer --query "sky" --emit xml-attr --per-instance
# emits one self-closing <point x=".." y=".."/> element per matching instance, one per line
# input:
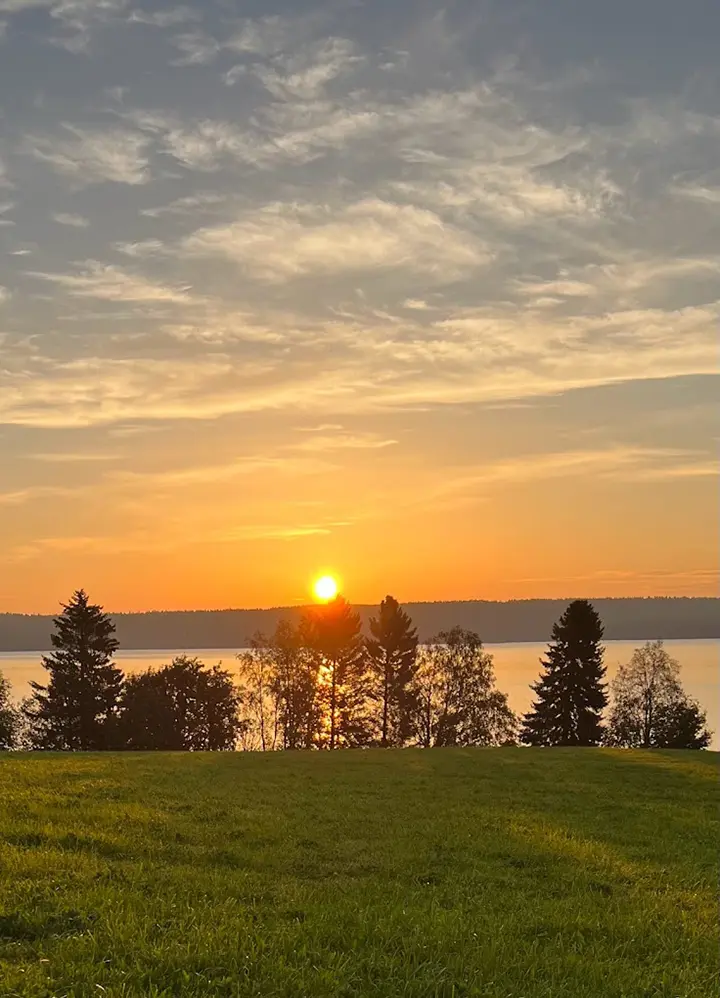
<point x="425" y="296"/>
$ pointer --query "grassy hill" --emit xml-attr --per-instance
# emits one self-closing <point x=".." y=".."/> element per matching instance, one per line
<point x="498" y="873"/>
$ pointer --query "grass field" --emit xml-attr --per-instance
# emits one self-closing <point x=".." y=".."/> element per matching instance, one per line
<point x="496" y="873"/>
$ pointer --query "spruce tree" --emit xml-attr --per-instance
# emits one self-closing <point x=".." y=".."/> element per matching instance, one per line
<point x="392" y="659"/>
<point x="77" y="710"/>
<point x="570" y="692"/>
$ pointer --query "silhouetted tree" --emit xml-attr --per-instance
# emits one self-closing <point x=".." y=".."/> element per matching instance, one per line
<point x="295" y="686"/>
<point x="77" y="709"/>
<point x="278" y="677"/>
<point x="333" y="630"/>
<point x="457" y="702"/>
<point x="9" y="717"/>
<point x="570" y="692"/>
<point x="683" y="725"/>
<point x="392" y="660"/>
<point x="650" y="708"/>
<point x="260" y="708"/>
<point x="183" y="706"/>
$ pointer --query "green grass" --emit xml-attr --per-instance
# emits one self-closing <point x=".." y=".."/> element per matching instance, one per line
<point x="448" y="873"/>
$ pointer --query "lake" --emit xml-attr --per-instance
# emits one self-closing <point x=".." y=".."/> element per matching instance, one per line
<point x="516" y="666"/>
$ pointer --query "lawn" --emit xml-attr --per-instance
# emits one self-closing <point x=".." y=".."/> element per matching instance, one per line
<point x="498" y="873"/>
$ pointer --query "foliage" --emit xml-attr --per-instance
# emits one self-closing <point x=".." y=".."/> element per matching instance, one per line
<point x="650" y="708"/>
<point x="457" y="703"/>
<point x="333" y="630"/>
<point x="570" y="692"/>
<point x="392" y="662"/>
<point x="78" y="707"/>
<point x="279" y="682"/>
<point x="456" y="873"/>
<point x="9" y="717"/>
<point x="184" y="706"/>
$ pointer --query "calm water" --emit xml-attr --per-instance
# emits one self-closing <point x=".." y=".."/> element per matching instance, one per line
<point x="516" y="665"/>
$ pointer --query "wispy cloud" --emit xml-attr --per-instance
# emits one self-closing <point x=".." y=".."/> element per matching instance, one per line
<point x="74" y="221"/>
<point x="94" y="156"/>
<point x="168" y="18"/>
<point x="324" y="442"/>
<point x="619" y="463"/>
<point x="111" y="283"/>
<point x="283" y="241"/>
<point x="188" y="205"/>
<point x="306" y="76"/>
<point x="71" y="457"/>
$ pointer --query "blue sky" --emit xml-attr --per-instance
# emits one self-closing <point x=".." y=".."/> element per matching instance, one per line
<point x="279" y="280"/>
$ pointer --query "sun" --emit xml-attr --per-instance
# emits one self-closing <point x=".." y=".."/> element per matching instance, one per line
<point x="325" y="589"/>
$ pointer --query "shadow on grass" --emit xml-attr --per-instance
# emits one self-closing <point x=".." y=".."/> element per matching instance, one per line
<point x="17" y="927"/>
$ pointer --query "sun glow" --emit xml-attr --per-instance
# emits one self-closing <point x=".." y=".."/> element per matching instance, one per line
<point x="325" y="589"/>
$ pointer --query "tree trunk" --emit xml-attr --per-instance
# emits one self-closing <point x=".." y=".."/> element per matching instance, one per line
<point x="333" y="705"/>
<point x="385" y="707"/>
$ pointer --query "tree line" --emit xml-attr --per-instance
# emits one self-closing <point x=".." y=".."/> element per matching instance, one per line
<point x="321" y="684"/>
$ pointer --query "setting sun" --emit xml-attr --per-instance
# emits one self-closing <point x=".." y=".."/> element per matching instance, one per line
<point x="325" y="588"/>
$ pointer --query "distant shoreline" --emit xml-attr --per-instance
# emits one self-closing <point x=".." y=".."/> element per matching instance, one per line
<point x="513" y="622"/>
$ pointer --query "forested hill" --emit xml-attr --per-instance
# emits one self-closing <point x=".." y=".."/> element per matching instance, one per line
<point x="521" y="620"/>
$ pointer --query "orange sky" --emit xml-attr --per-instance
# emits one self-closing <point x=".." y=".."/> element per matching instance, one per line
<point x="425" y="518"/>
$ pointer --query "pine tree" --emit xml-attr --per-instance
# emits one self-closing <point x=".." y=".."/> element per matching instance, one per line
<point x="78" y="707"/>
<point x="570" y="692"/>
<point x="392" y="658"/>
<point x="334" y="631"/>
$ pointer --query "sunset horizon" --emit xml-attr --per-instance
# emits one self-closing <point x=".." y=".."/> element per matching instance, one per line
<point x="359" y="533"/>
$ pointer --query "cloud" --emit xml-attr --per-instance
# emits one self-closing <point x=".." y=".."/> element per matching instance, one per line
<point x="696" y="192"/>
<point x="144" y="248"/>
<point x="324" y="442"/>
<point x="16" y="6"/>
<point x="563" y="287"/>
<point x="76" y="18"/>
<point x="71" y="457"/>
<point x="88" y="157"/>
<point x="621" y="463"/>
<point x="187" y="205"/>
<point x="4" y="295"/>
<point x="74" y="221"/>
<point x="110" y="283"/>
<point x="299" y="130"/>
<point x="196" y="48"/>
<point x="283" y="241"/>
<point x="204" y="474"/>
<point x="168" y="18"/>
<point x="19" y="497"/>
<point x="267" y="36"/>
<point x="306" y="76"/>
